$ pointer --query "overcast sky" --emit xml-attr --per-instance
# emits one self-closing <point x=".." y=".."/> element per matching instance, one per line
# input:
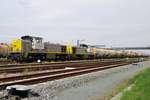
<point x="109" y="22"/>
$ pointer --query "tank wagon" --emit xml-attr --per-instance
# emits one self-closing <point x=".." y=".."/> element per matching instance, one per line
<point x="30" y="48"/>
<point x="4" y="50"/>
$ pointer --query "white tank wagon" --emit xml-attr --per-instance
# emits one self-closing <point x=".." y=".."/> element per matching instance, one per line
<point x="110" y="53"/>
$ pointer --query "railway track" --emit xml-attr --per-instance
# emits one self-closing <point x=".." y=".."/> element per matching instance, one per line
<point x="46" y="63"/>
<point x="30" y="68"/>
<point x="64" y="62"/>
<point x="43" y="76"/>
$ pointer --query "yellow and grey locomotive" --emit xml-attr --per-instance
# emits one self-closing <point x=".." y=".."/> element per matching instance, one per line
<point x="33" y="48"/>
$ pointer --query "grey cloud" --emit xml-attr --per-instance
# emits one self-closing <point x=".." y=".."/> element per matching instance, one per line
<point x="110" y="22"/>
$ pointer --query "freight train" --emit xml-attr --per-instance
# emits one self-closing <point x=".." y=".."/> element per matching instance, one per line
<point x="31" y="48"/>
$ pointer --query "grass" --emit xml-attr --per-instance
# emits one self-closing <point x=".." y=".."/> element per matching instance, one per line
<point x="141" y="88"/>
<point x="117" y="90"/>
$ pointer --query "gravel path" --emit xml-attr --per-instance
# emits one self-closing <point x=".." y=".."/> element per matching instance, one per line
<point x="92" y="86"/>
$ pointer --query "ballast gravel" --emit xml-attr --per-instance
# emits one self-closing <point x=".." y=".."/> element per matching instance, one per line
<point x="92" y="86"/>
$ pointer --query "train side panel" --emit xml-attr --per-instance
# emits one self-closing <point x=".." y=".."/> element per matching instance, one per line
<point x="17" y="46"/>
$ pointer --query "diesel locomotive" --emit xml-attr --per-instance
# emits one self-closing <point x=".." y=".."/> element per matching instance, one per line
<point x="33" y="48"/>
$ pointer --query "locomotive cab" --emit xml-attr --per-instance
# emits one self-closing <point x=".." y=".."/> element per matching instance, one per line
<point x="36" y="42"/>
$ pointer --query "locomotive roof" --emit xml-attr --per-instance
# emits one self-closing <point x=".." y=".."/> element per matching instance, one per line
<point x="30" y="37"/>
